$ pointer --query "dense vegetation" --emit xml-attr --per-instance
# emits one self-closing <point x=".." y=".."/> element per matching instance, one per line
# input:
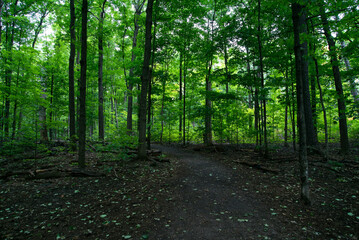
<point x="187" y="71"/>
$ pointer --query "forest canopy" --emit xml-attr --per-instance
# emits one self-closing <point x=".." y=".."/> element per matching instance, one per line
<point x="214" y="71"/>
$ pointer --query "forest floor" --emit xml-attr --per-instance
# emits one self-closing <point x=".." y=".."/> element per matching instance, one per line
<point x="218" y="192"/>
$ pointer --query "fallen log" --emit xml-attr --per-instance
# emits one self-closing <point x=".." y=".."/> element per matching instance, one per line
<point x="52" y="173"/>
<point x="258" y="166"/>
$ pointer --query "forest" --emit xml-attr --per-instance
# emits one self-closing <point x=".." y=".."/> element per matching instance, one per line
<point x="121" y="80"/>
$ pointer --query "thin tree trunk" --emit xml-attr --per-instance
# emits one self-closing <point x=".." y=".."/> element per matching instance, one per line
<point x="101" y="128"/>
<point x="151" y="80"/>
<point x="145" y="78"/>
<point x="8" y="75"/>
<point x="82" y="118"/>
<point x="180" y="98"/>
<point x="163" y="104"/>
<point x="293" y="117"/>
<point x="42" y="114"/>
<point x="208" y="112"/>
<point x="343" y="128"/>
<point x="72" y="124"/>
<point x="16" y="101"/>
<point x="39" y="27"/>
<point x="138" y="7"/>
<point x="116" y="113"/>
<point x="353" y="85"/>
<point x="228" y="75"/>
<point x="51" y="132"/>
<point x="1" y="5"/>
<point x="298" y="16"/>
<point x="264" y="116"/>
<point x="287" y="103"/>
<point x="323" y="107"/>
<point x="184" y="99"/>
<point x="256" y="113"/>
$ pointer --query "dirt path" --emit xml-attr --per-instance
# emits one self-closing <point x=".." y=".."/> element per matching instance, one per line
<point x="209" y="204"/>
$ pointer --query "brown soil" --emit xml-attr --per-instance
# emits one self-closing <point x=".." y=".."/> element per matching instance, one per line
<point x="221" y="192"/>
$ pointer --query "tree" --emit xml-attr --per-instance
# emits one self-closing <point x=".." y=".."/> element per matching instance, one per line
<point x="101" y="130"/>
<point x="145" y="78"/>
<point x="82" y="118"/>
<point x="299" y="26"/>
<point x="72" y="125"/>
<point x="343" y="127"/>
<point x="261" y="72"/>
<point x="138" y="4"/>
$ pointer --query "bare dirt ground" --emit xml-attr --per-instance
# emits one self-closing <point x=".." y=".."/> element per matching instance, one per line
<point x="219" y="192"/>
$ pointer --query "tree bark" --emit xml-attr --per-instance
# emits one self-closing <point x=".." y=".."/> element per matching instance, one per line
<point x="83" y="62"/>
<point x="145" y="78"/>
<point x="51" y="130"/>
<point x="138" y="8"/>
<point x="101" y="128"/>
<point x="208" y="105"/>
<point x="163" y="102"/>
<point x="353" y="85"/>
<point x="39" y="27"/>
<point x="72" y="72"/>
<point x="298" y="17"/>
<point x="208" y="112"/>
<point x="261" y="71"/>
<point x="8" y="73"/>
<point x="343" y="128"/>
<point x="1" y="5"/>
<point x="287" y="104"/>
<point x="151" y="80"/>
<point x="42" y="113"/>
<point x="180" y="98"/>
<point x="322" y="104"/>
<point x="184" y="99"/>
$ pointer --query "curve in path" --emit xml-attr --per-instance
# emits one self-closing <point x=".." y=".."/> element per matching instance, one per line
<point x="208" y="203"/>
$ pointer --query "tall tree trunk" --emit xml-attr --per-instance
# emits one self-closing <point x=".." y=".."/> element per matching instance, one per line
<point x="51" y="130"/>
<point x="151" y="80"/>
<point x="294" y="137"/>
<point x="83" y="62"/>
<point x="180" y="98"/>
<point x="72" y="124"/>
<point x="323" y="107"/>
<point x="163" y="103"/>
<point x="138" y="8"/>
<point x="261" y="70"/>
<point x="314" y="102"/>
<point x="208" y="104"/>
<point x="42" y="113"/>
<point x="145" y="78"/>
<point x="16" y="100"/>
<point x="299" y="16"/>
<point x="353" y="85"/>
<point x="287" y="104"/>
<point x="250" y="95"/>
<point x="101" y="128"/>
<point x="39" y="27"/>
<point x="228" y="75"/>
<point x="8" y="74"/>
<point x="343" y="128"/>
<point x="256" y="112"/>
<point x="184" y="99"/>
<point x="208" y="111"/>
<point x="1" y="5"/>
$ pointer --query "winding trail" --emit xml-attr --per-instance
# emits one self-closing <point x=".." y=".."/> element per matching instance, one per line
<point x="209" y="202"/>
